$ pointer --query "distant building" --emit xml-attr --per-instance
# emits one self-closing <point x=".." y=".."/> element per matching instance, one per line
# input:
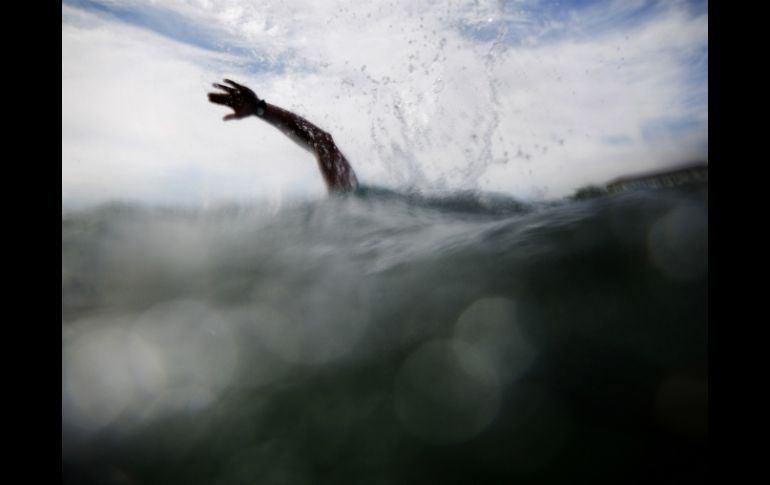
<point x="588" y="192"/>
<point x="694" y="173"/>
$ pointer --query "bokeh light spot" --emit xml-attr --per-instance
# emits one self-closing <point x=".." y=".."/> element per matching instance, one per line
<point x="489" y="325"/>
<point x="678" y="243"/>
<point x="446" y="392"/>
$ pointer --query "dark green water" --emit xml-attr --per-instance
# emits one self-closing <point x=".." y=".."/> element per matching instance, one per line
<point x="382" y="338"/>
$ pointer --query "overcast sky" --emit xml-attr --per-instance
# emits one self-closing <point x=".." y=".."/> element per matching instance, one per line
<point x="531" y="98"/>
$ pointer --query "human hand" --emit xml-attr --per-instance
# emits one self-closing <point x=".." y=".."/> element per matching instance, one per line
<point x="241" y="99"/>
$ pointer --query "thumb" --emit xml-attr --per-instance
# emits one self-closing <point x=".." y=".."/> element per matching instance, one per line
<point x="230" y="117"/>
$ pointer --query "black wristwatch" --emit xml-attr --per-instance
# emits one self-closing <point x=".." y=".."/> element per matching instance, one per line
<point x="261" y="107"/>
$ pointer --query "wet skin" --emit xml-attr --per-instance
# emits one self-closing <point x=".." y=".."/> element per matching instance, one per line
<point x="337" y="172"/>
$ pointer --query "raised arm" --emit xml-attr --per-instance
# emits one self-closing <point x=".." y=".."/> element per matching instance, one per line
<point x="337" y="172"/>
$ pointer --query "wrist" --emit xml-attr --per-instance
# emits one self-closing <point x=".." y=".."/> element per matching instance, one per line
<point x="261" y="107"/>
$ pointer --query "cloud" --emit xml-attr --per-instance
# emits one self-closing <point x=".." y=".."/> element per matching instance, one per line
<point x="506" y="96"/>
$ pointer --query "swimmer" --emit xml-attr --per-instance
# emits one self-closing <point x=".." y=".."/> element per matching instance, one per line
<point x="336" y="171"/>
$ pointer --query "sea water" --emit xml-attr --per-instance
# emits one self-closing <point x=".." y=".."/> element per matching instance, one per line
<point x="383" y="337"/>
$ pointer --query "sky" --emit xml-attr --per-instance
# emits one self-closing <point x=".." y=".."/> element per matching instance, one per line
<point x="529" y="98"/>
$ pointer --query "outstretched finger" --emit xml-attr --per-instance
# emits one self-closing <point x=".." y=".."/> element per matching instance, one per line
<point x="225" y="88"/>
<point x="224" y="99"/>
<point x="234" y="84"/>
